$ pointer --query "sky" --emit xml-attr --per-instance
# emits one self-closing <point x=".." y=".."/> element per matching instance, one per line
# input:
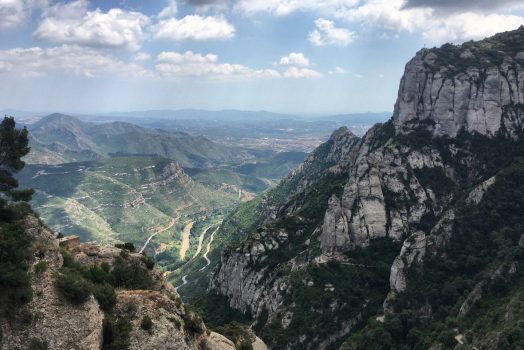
<point x="288" y="56"/>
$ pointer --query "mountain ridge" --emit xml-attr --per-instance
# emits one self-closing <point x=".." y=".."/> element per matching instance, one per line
<point x="64" y="139"/>
<point x="397" y="209"/>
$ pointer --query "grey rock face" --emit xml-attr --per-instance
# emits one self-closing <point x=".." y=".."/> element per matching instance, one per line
<point x="412" y="253"/>
<point x="249" y="288"/>
<point x="478" y="192"/>
<point x="393" y="189"/>
<point x="479" y="99"/>
<point x="379" y="176"/>
<point x="335" y="228"/>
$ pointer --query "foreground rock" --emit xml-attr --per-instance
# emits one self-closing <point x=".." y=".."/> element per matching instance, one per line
<point x="50" y="320"/>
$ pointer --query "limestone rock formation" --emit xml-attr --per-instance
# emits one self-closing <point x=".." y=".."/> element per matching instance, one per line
<point x="404" y="181"/>
<point x="50" y="319"/>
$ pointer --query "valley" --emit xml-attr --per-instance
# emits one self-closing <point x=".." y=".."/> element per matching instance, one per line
<point x="262" y="175"/>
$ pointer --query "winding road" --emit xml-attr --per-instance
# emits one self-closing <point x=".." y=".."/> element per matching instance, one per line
<point x="209" y="248"/>
<point x="200" y="240"/>
<point x="159" y="230"/>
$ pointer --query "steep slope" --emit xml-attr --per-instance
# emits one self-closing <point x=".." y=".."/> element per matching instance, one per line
<point x="125" y="199"/>
<point x="59" y="138"/>
<point x="145" y="312"/>
<point x="320" y="164"/>
<point x="382" y="240"/>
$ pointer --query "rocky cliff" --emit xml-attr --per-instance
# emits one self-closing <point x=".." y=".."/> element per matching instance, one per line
<point x="339" y="248"/>
<point x="52" y="321"/>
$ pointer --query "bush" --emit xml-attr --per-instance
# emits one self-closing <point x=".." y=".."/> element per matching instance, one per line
<point x="175" y="321"/>
<point x="130" y="275"/>
<point x="72" y="286"/>
<point x="105" y="295"/>
<point x="15" y="249"/>
<point x="37" y="344"/>
<point x="147" y="323"/>
<point x="150" y="263"/>
<point x="41" y="266"/>
<point x="192" y="321"/>
<point x="116" y="333"/>
<point x="126" y="246"/>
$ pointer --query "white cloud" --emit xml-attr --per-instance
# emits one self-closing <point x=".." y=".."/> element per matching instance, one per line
<point x="14" y="13"/>
<point x="189" y="64"/>
<point x="194" y="27"/>
<point x="141" y="56"/>
<point x="170" y="10"/>
<point x="74" y="60"/>
<point x="286" y="7"/>
<point x="295" y="59"/>
<point x="73" y="23"/>
<point x="338" y="70"/>
<point x="436" y="26"/>
<point x="327" y="34"/>
<point x="465" y="26"/>
<point x="472" y="19"/>
<point x="301" y="73"/>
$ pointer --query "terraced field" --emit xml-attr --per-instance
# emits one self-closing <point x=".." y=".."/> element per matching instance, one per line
<point x="124" y="199"/>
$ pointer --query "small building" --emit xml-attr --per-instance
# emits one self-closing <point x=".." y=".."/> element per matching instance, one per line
<point x="69" y="242"/>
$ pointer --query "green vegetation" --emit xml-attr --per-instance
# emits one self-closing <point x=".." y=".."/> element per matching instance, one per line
<point x="116" y="333"/>
<point x="37" y="344"/>
<point x="72" y="286"/>
<point x="146" y="323"/>
<point x="77" y="282"/>
<point x="217" y="312"/>
<point x="322" y="297"/>
<point x="123" y="199"/>
<point x="238" y="333"/>
<point x="192" y="321"/>
<point x="485" y="240"/>
<point x="41" y="266"/>
<point x="484" y="53"/>
<point x="130" y="247"/>
<point x="15" y="243"/>
<point x="15" y="250"/>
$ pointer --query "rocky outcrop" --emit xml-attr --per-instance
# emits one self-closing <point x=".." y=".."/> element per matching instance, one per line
<point x="412" y="253"/>
<point x="47" y="317"/>
<point x="404" y="179"/>
<point x="456" y="88"/>
<point x="242" y="277"/>
<point x="50" y="319"/>
<point x="475" y="196"/>
<point x="335" y="229"/>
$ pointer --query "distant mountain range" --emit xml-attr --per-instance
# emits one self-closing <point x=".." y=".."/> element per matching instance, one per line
<point x="59" y="138"/>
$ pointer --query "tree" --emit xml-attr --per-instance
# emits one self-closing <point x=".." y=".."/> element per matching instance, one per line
<point x="14" y="144"/>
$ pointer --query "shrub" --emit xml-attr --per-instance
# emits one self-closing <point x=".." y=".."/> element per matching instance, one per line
<point x="105" y="295"/>
<point x="15" y="246"/>
<point x="37" y="344"/>
<point x="72" y="286"/>
<point x="150" y="263"/>
<point x="192" y="321"/>
<point x="130" y="275"/>
<point x="116" y="333"/>
<point x="41" y="266"/>
<point x="175" y="321"/>
<point x="147" y="323"/>
<point x="126" y="246"/>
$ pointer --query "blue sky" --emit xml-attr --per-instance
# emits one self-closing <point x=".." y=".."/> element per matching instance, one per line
<point x="304" y="57"/>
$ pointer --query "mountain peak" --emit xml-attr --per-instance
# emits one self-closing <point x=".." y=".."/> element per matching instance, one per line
<point x="438" y="84"/>
<point x="343" y="131"/>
